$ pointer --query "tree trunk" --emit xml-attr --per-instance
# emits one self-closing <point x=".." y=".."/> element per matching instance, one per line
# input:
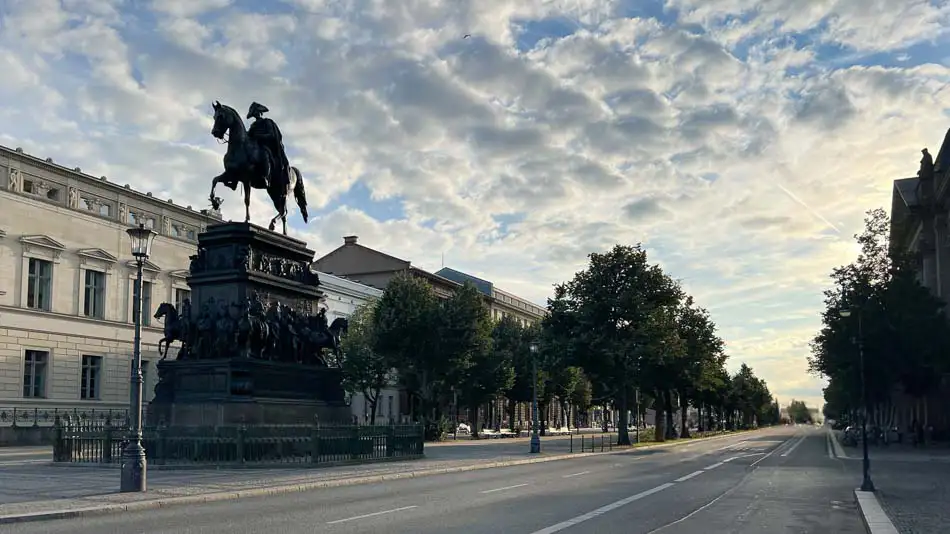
<point x="373" y="402"/>
<point x="684" y="425"/>
<point x="623" y="432"/>
<point x="670" y="428"/>
<point x="473" y="421"/>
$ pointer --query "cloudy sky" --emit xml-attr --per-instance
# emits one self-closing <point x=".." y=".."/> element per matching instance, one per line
<point x="739" y="140"/>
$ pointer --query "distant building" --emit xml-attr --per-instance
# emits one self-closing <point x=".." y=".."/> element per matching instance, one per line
<point x="374" y="268"/>
<point x="66" y="281"/>
<point x="503" y="304"/>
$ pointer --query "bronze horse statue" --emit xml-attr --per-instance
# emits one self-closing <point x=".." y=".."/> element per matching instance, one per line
<point x="175" y="327"/>
<point x="254" y="166"/>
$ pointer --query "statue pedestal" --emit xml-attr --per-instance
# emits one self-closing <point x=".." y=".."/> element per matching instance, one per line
<point x="218" y="382"/>
<point x="240" y="261"/>
<point x="235" y="391"/>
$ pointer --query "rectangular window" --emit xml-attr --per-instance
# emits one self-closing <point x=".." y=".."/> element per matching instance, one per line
<point x="90" y="378"/>
<point x="180" y="296"/>
<point x="35" y="365"/>
<point x="95" y="293"/>
<point x="146" y="302"/>
<point x="39" y="285"/>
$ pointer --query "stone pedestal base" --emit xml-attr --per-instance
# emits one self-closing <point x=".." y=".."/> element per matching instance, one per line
<point x="253" y="392"/>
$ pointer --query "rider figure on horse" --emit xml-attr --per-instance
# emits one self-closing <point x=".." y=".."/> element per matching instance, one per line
<point x="268" y="136"/>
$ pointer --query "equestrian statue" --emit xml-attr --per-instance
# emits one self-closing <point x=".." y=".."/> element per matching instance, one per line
<point x="255" y="159"/>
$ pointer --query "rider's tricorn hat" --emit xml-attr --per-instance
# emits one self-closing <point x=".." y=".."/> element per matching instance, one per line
<point x="256" y="108"/>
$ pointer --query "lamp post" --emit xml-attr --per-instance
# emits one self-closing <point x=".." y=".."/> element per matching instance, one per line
<point x="535" y="438"/>
<point x="134" y="468"/>
<point x="866" y="484"/>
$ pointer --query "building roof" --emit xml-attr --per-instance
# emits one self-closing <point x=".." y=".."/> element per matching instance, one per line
<point x="459" y="277"/>
<point x="103" y="182"/>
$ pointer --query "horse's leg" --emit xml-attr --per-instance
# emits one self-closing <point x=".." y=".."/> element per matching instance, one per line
<point x="247" y="201"/>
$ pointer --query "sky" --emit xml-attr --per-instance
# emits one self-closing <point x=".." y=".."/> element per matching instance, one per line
<point x="741" y="142"/>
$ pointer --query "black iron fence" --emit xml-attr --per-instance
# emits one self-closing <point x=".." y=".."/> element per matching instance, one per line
<point x="101" y="442"/>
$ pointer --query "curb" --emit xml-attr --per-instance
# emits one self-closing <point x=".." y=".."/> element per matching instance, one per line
<point x="837" y="447"/>
<point x="153" y="504"/>
<point x="872" y="514"/>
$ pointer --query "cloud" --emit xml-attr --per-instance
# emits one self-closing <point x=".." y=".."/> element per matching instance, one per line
<point x="731" y="137"/>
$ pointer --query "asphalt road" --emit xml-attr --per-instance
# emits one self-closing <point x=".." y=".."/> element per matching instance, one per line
<point x="776" y="480"/>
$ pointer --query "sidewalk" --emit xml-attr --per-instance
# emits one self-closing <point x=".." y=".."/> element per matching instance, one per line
<point x="913" y="486"/>
<point x="45" y="491"/>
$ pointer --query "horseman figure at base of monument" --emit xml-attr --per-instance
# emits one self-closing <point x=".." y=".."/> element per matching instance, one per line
<point x="256" y="159"/>
<point x="275" y="332"/>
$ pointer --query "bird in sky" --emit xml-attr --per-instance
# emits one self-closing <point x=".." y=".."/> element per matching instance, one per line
<point x="467" y="35"/>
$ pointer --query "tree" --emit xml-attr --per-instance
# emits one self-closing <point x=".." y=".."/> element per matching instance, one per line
<point x="365" y="370"/>
<point x="511" y="341"/>
<point x="607" y="311"/>
<point x="897" y="322"/>
<point x="467" y="337"/>
<point x="703" y="355"/>
<point x="798" y="412"/>
<point x="406" y="326"/>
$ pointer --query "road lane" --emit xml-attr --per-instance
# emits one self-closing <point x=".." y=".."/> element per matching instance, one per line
<point x="794" y="487"/>
<point x="520" y="499"/>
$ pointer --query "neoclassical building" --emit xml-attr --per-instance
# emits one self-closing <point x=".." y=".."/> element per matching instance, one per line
<point x="66" y="282"/>
<point x="920" y="223"/>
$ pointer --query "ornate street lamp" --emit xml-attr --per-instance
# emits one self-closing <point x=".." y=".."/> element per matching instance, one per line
<point x="134" y="469"/>
<point x="866" y="484"/>
<point x="535" y="438"/>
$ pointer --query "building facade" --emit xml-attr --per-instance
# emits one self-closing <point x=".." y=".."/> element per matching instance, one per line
<point x="920" y="224"/>
<point x="502" y="303"/>
<point x="66" y="283"/>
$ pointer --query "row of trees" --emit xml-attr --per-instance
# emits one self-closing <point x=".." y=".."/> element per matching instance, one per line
<point x="621" y="330"/>
<point x="897" y="323"/>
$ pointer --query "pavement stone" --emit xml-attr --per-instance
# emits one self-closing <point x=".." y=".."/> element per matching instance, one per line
<point x="914" y="494"/>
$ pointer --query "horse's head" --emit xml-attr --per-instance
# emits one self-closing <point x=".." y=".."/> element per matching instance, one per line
<point x="225" y="118"/>
<point x="165" y="308"/>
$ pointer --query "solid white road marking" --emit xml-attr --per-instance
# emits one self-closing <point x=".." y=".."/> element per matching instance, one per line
<point x="794" y="446"/>
<point x="713" y="466"/>
<point x="602" y="510"/>
<point x="505" y="488"/>
<point x="364" y="516"/>
<point x="576" y="474"/>
<point x="727" y="460"/>
<point x="689" y="476"/>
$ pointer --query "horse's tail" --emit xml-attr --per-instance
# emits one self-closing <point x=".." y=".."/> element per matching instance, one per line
<point x="300" y="193"/>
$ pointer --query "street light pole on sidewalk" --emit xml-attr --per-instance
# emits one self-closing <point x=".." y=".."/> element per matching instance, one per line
<point x="535" y="438"/>
<point x="134" y="468"/>
<point x="866" y="484"/>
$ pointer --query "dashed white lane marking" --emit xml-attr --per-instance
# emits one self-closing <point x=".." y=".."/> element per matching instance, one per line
<point x="731" y="446"/>
<point x="505" y="488"/>
<point x="689" y="476"/>
<point x="713" y="466"/>
<point x="364" y="516"/>
<point x="602" y="510"/>
<point x="576" y="474"/>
